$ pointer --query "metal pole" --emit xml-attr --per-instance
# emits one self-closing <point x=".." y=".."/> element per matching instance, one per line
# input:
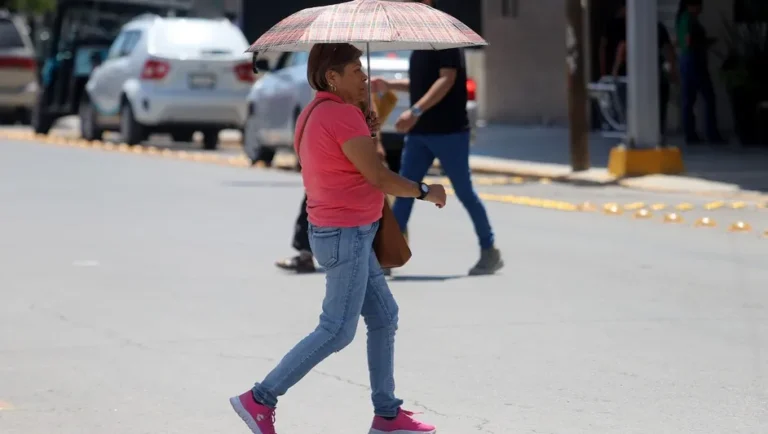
<point x="643" y="74"/>
<point x="577" y="86"/>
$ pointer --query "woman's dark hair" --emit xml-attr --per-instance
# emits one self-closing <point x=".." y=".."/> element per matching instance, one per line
<point x="329" y="57"/>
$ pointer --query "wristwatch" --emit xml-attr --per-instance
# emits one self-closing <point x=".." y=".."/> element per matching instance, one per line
<point x="416" y="111"/>
<point x="424" y="188"/>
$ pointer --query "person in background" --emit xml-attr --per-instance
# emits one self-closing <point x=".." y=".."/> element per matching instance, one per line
<point x="304" y="261"/>
<point x="614" y="33"/>
<point x="437" y="125"/>
<point x="666" y="55"/>
<point x="346" y="184"/>
<point x="695" y="78"/>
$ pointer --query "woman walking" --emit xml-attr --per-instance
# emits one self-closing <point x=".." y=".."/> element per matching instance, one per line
<point x="346" y="183"/>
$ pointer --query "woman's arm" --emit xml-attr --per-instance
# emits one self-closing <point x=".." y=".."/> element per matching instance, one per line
<point x="621" y="53"/>
<point x="671" y="56"/>
<point x="361" y="151"/>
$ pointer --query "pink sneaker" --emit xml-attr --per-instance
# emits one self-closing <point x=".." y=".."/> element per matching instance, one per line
<point x="259" y="418"/>
<point x="404" y="423"/>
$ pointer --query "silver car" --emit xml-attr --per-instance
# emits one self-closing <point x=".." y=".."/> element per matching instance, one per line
<point x="283" y="91"/>
<point x="170" y="75"/>
<point x="18" y="69"/>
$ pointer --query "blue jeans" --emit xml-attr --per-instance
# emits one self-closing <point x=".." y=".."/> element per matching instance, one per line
<point x="354" y="285"/>
<point x="453" y="152"/>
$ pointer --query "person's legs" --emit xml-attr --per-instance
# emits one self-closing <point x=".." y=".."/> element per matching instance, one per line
<point x="417" y="159"/>
<point x="664" y="91"/>
<point x="303" y="262"/>
<point x="345" y="253"/>
<point x="380" y="313"/>
<point x="710" y="104"/>
<point x="453" y="152"/>
<point x="689" y="89"/>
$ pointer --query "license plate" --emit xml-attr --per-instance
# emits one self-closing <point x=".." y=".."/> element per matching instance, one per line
<point x="202" y="81"/>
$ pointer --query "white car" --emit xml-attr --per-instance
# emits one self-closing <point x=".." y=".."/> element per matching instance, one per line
<point x="283" y="91"/>
<point x="170" y="75"/>
<point x="18" y="69"/>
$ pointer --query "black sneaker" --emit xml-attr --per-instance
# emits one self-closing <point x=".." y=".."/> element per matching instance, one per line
<point x="297" y="264"/>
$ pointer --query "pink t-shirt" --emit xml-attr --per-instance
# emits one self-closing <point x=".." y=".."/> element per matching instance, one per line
<point x="337" y="193"/>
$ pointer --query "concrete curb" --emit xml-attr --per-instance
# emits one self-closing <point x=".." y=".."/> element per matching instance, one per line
<point x="601" y="177"/>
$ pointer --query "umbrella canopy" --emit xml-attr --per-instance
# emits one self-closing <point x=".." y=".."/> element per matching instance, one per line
<point x="370" y="25"/>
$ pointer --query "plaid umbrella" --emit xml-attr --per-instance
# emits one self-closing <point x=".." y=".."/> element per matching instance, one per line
<point x="370" y="25"/>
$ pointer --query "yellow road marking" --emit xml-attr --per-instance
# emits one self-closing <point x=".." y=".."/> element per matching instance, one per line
<point x="5" y="406"/>
<point x="634" y="206"/>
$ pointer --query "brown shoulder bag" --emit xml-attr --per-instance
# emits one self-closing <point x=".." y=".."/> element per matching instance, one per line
<point x="390" y="245"/>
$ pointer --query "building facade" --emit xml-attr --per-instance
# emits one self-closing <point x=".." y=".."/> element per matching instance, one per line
<point x="525" y="61"/>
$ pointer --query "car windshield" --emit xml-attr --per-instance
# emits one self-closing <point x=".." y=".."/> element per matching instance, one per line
<point x="9" y="36"/>
<point x="195" y="37"/>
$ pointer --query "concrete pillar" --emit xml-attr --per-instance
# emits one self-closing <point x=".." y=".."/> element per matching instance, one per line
<point x="642" y="74"/>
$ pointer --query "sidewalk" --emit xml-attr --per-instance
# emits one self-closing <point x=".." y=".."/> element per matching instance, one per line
<point x="544" y="152"/>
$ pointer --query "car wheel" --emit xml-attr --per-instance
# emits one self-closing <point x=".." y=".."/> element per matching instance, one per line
<point x="210" y="139"/>
<point x="254" y="150"/>
<point x="89" y="128"/>
<point x="24" y="116"/>
<point x="131" y="130"/>
<point x="41" y="120"/>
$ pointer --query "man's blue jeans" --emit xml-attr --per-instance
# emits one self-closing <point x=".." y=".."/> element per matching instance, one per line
<point x="453" y="152"/>
<point x="355" y="286"/>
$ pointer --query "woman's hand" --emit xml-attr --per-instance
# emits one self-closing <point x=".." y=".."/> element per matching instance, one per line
<point x="374" y="124"/>
<point x="436" y="195"/>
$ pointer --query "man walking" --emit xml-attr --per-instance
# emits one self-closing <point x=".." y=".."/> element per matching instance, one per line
<point x="437" y="126"/>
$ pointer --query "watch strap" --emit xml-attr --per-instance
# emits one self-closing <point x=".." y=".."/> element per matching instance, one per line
<point x="423" y="191"/>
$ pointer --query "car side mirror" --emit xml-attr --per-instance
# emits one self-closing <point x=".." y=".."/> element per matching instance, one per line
<point x="95" y="59"/>
<point x="260" y="64"/>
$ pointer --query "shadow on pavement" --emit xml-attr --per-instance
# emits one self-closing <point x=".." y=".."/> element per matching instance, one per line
<point x="424" y="278"/>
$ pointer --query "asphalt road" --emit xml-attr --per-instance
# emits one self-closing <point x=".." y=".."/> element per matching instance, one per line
<point x="138" y="294"/>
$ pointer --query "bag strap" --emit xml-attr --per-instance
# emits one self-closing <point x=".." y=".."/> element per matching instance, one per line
<point x="300" y="135"/>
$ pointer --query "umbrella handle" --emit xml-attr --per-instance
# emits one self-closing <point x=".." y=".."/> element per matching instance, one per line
<point x="368" y="54"/>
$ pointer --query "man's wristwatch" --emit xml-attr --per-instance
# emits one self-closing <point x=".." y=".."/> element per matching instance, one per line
<point x="424" y="189"/>
<point x="416" y="111"/>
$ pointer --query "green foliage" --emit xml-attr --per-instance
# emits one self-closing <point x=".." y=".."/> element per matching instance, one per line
<point x="28" y="6"/>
